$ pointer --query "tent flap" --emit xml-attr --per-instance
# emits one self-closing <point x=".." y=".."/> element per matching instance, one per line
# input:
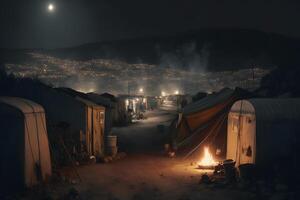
<point x="205" y="122"/>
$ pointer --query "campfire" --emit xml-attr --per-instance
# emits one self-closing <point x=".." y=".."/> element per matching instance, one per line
<point x="207" y="162"/>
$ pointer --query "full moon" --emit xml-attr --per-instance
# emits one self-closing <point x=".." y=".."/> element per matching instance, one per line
<point x="50" y="7"/>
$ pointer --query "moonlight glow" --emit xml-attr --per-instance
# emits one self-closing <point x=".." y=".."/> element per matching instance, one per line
<point x="50" y="7"/>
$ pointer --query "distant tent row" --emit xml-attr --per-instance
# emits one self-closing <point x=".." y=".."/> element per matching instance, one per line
<point x="115" y="107"/>
<point x="76" y="123"/>
<point x="98" y="99"/>
<point x="264" y="132"/>
<point x="80" y="122"/>
<point x="24" y="148"/>
<point x="205" y="122"/>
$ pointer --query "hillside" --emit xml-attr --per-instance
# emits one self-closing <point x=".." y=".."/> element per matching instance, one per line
<point x="203" y="60"/>
<point x="205" y="49"/>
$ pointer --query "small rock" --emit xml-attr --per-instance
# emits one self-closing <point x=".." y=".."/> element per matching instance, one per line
<point x="210" y="186"/>
<point x="110" y="158"/>
<point x="132" y="187"/>
<point x="92" y="160"/>
<point x="47" y="194"/>
<point x="171" y="154"/>
<point x="72" y="194"/>
<point x="281" y="188"/>
<point x="241" y="185"/>
<point x="184" y="197"/>
<point x="205" y="179"/>
<point x="122" y="154"/>
<point x="155" y="189"/>
<point x="279" y="196"/>
<point x="167" y="147"/>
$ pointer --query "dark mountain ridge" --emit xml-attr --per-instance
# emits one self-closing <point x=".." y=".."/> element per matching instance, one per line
<point x="207" y="49"/>
<point x="216" y="49"/>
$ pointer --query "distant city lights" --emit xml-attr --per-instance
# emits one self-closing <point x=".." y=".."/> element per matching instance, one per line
<point x="86" y="90"/>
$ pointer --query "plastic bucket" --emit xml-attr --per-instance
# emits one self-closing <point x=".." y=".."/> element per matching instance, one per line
<point x="111" y="141"/>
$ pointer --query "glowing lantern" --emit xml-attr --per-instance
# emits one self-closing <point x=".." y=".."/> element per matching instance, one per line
<point x="207" y="161"/>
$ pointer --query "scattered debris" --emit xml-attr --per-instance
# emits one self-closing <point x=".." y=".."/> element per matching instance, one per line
<point x="247" y="172"/>
<point x="107" y="159"/>
<point x="230" y="171"/>
<point x="171" y="154"/>
<point x="281" y="187"/>
<point x="205" y="179"/>
<point x="73" y="194"/>
<point x="92" y="160"/>
<point x="121" y="155"/>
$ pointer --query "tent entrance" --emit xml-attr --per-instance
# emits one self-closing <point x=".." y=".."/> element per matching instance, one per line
<point x="241" y="139"/>
<point x="98" y="131"/>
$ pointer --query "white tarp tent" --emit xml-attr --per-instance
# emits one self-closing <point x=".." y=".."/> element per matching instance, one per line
<point x="24" y="148"/>
<point x="263" y="131"/>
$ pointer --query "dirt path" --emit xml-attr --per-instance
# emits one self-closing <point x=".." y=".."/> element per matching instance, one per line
<point x="145" y="173"/>
<point x="144" y="136"/>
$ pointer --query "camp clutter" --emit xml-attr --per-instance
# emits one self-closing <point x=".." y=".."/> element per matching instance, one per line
<point x="251" y="133"/>
<point x="43" y="119"/>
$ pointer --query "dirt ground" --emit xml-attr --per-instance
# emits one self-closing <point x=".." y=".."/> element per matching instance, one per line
<point x="146" y="173"/>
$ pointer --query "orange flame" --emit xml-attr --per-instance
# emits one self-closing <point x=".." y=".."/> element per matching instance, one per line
<point x="207" y="160"/>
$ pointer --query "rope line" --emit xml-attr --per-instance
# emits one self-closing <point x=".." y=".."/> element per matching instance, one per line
<point x="30" y="146"/>
<point x="239" y="134"/>
<point x="206" y="137"/>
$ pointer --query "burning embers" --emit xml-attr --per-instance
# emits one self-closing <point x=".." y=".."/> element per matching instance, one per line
<point x="207" y="162"/>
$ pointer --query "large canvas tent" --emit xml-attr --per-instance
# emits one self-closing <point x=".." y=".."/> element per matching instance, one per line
<point x="264" y="131"/>
<point x="24" y="149"/>
<point x="205" y="122"/>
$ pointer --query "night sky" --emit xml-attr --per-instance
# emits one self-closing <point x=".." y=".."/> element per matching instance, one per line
<point x="28" y="23"/>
